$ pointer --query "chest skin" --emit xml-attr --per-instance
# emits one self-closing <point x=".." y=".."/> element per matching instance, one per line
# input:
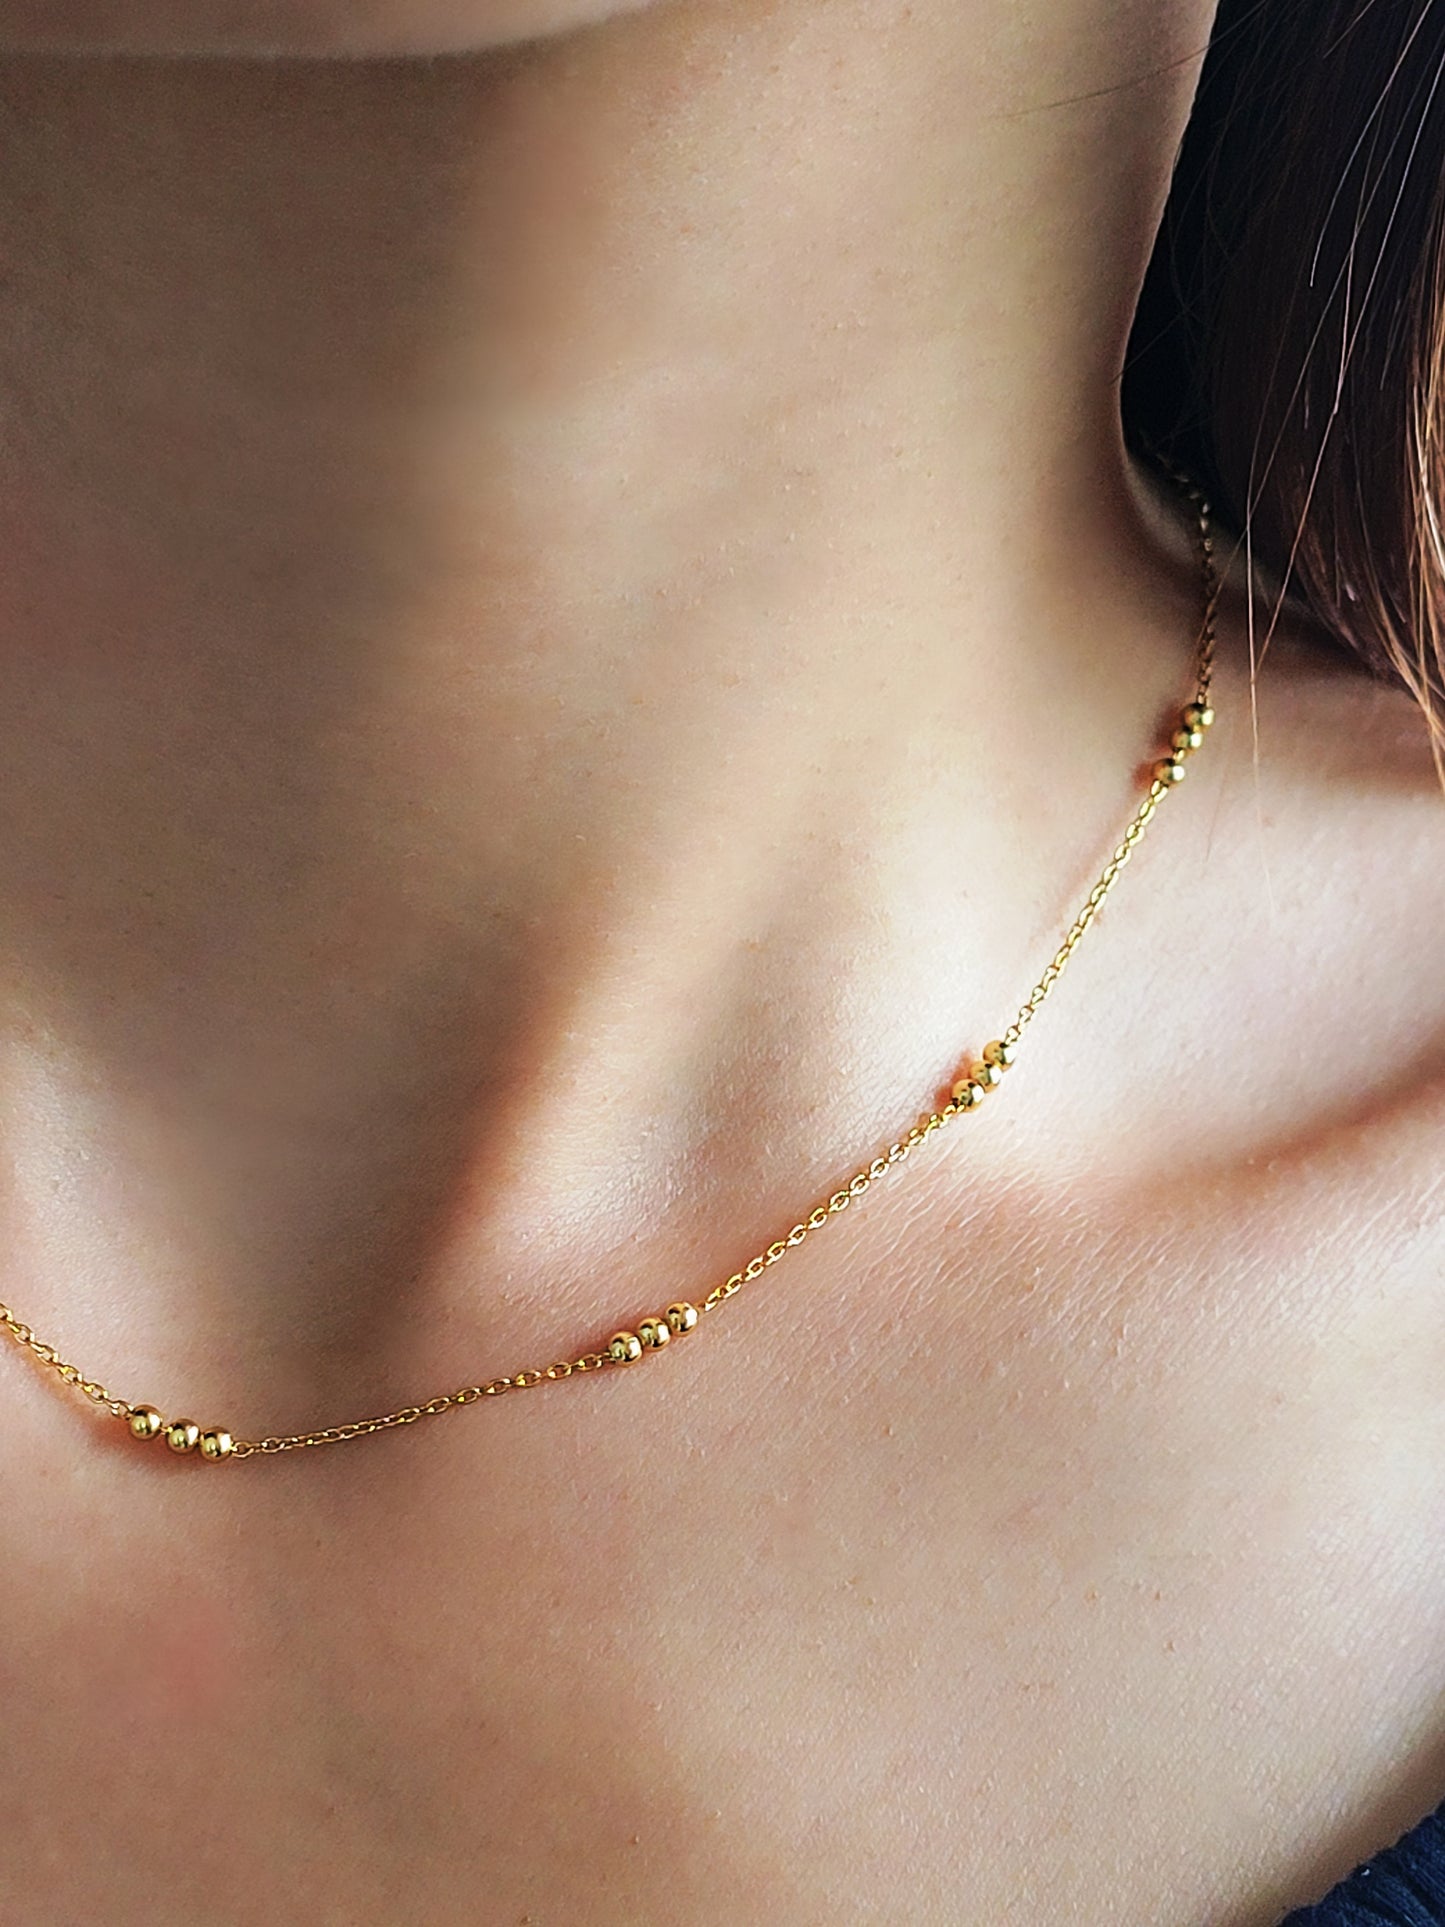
<point x="1057" y="1538"/>
<point x="983" y="1565"/>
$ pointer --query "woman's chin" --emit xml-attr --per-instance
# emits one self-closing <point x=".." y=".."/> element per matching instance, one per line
<point x="338" y="29"/>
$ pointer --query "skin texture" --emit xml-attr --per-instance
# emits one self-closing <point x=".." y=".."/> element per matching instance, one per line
<point x="575" y="625"/>
<point x="335" y="29"/>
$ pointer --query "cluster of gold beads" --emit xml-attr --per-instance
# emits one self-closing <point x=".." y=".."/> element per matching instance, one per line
<point x="180" y="1434"/>
<point x="1193" y="721"/>
<point x="980" y="1078"/>
<point x="624" y="1348"/>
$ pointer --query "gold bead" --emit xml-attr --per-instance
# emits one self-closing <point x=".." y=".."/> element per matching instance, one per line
<point x="145" y="1421"/>
<point x="1187" y="739"/>
<point x="1198" y="716"/>
<point x="183" y="1435"/>
<point x="989" y="1075"/>
<point x="654" y="1333"/>
<point x="624" y="1347"/>
<point x="1171" y="770"/>
<point x="1000" y="1053"/>
<point x="681" y="1317"/>
<point x="217" y="1444"/>
<point x="967" y="1094"/>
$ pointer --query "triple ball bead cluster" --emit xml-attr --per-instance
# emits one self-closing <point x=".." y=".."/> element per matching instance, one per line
<point x="980" y="1078"/>
<point x="1193" y="722"/>
<point x="180" y="1434"/>
<point x="626" y="1347"/>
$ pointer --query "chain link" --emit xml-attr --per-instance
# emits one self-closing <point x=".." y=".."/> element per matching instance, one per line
<point x="49" y="1357"/>
<point x="968" y="1091"/>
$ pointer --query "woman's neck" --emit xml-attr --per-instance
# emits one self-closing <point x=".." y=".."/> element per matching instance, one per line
<point x="568" y="616"/>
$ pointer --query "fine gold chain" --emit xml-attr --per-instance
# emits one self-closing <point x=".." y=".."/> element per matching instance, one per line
<point x="652" y="1333"/>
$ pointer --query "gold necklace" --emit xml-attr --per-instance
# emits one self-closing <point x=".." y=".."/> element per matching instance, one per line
<point x="655" y="1332"/>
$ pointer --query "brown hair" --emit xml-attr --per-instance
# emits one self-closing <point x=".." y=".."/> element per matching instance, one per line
<point x="1290" y="342"/>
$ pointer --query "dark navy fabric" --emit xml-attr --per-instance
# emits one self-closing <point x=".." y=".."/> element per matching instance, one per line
<point x="1404" y="1886"/>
